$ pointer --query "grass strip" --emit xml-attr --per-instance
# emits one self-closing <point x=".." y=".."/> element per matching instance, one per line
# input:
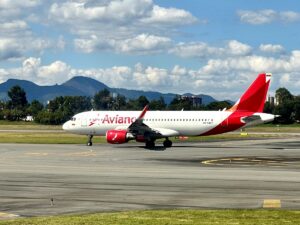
<point x="164" y="217"/>
<point x="53" y="137"/>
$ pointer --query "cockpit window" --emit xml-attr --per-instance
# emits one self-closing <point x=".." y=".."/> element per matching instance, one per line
<point x="73" y="119"/>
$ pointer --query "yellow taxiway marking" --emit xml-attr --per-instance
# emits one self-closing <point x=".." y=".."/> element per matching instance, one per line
<point x="37" y="153"/>
<point x="86" y="153"/>
<point x="272" y="203"/>
<point x="4" y="215"/>
<point x="215" y="161"/>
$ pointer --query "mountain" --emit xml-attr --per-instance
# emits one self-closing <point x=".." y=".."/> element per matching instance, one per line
<point x="82" y="86"/>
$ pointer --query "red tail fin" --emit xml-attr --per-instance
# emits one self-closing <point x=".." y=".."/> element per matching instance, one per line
<point x="254" y="98"/>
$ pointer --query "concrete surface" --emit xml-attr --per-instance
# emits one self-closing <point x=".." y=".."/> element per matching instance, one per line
<point x="60" y="179"/>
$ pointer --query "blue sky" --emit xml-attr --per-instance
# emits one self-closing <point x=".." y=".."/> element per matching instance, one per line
<point x="211" y="47"/>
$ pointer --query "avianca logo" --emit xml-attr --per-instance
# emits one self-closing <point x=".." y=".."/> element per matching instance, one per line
<point x="113" y="120"/>
<point x="118" y="119"/>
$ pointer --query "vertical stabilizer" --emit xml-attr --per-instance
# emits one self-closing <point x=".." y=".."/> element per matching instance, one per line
<point x="253" y="100"/>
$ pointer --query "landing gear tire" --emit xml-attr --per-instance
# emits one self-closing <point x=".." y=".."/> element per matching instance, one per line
<point x="150" y="144"/>
<point x="167" y="143"/>
<point x="90" y="143"/>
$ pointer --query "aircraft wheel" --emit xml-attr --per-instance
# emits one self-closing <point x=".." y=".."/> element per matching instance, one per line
<point x="150" y="144"/>
<point x="90" y="143"/>
<point x="167" y="143"/>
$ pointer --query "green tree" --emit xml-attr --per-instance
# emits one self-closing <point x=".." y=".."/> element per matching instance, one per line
<point x="102" y="100"/>
<point x="119" y="102"/>
<point x="34" y="108"/>
<point x="297" y="109"/>
<point x="62" y="109"/>
<point x="179" y="103"/>
<point x="158" y="104"/>
<point x="282" y="96"/>
<point x="17" y="103"/>
<point x="285" y="106"/>
<point x="142" y="101"/>
<point x="218" y="105"/>
<point x="17" y="97"/>
<point x="269" y="108"/>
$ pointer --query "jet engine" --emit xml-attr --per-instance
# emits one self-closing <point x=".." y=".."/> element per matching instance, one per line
<point x="118" y="136"/>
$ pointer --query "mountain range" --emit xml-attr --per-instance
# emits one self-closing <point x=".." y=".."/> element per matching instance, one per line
<point x="82" y="86"/>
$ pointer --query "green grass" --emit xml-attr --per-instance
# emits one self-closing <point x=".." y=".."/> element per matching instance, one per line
<point x="45" y="138"/>
<point x="22" y="125"/>
<point x="30" y="132"/>
<point x="165" y="217"/>
<point x="55" y="137"/>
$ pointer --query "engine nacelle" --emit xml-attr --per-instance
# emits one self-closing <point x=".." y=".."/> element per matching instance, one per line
<point x="118" y="136"/>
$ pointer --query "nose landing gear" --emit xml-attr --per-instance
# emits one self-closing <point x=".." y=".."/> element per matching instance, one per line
<point x="89" y="142"/>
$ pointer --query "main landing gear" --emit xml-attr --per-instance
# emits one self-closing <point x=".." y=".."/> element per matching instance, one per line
<point x="89" y="142"/>
<point x="167" y="143"/>
<point x="151" y="144"/>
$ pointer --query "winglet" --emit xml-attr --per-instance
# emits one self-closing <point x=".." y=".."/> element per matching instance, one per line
<point x="141" y="116"/>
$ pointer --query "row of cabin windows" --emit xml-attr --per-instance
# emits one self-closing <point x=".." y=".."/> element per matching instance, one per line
<point x="206" y="120"/>
<point x="203" y="120"/>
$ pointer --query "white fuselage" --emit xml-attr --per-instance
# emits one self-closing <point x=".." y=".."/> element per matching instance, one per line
<point x="169" y="123"/>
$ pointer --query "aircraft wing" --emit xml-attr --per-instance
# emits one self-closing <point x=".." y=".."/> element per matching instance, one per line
<point x="138" y="127"/>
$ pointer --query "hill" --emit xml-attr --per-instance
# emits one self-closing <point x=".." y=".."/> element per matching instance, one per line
<point x="81" y="86"/>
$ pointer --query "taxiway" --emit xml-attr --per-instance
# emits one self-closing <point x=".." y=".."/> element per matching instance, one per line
<point x="59" y="179"/>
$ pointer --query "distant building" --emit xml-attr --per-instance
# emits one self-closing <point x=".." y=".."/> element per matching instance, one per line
<point x="271" y="100"/>
<point x="196" y="100"/>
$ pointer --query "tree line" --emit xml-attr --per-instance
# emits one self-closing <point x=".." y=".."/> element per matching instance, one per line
<point x="62" y="108"/>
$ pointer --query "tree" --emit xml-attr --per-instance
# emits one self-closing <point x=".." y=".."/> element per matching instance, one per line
<point x="102" y="100"/>
<point x="34" y="108"/>
<point x="285" y="106"/>
<point x="17" y="103"/>
<point x="269" y="108"/>
<point x="17" y="97"/>
<point x="218" y="105"/>
<point x="157" y="104"/>
<point x="282" y="95"/>
<point x="142" y="101"/>
<point x="119" y="102"/>
<point x="297" y="109"/>
<point x="179" y="103"/>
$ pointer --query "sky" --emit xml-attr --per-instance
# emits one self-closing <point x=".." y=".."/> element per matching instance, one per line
<point x="214" y="47"/>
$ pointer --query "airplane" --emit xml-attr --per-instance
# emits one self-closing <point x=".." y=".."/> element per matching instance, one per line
<point x="147" y="126"/>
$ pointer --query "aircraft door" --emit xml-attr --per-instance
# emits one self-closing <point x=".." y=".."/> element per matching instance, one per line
<point x="83" y="122"/>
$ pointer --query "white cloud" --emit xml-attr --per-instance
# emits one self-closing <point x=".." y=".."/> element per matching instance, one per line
<point x="237" y="48"/>
<point x="130" y="26"/>
<point x="169" y="16"/>
<point x="203" y="50"/>
<point x="290" y="16"/>
<point x="7" y="4"/>
<point x="13" y="26"/>
<point x="141" y="44"/>
<point x="257" y="17"/>
<point x="10" y="49"/>
<point x="223" y="78"/>
<point x="109" y="11"/>
<point x="271" y="48"/>
<point x="16" y="36"/>
<point x="267" y="16"/>
<point x="144" y="43"/>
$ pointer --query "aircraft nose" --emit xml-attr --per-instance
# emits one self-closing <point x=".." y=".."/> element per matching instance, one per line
<point x="66" y="125"/>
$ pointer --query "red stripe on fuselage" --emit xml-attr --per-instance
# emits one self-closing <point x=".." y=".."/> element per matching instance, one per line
<point x="231" y="123"/>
